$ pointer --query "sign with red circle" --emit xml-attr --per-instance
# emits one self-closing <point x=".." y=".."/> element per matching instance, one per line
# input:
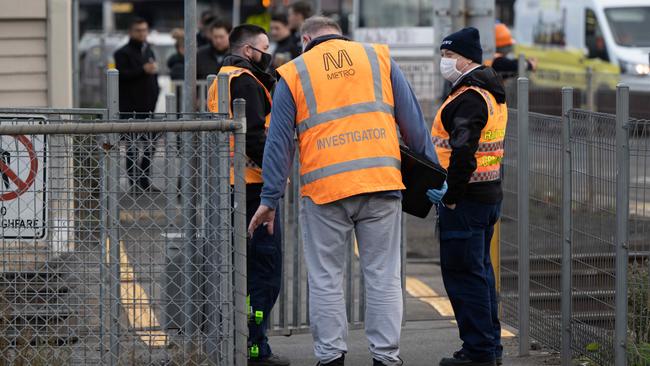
<point x="22" y="185"/>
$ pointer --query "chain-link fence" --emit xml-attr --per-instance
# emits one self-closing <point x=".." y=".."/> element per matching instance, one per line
<point x="107" y="256"/>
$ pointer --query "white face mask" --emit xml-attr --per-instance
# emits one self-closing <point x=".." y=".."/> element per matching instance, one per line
<point x="448" y="69"/>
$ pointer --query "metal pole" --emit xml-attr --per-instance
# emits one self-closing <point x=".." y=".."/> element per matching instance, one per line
<point x="189" y="84"/>
<point x="403" y="250"/>
<point x="172" y="315"/>
<point x="224" y="94"/>
<point x="522" y="66"/>
<point x="225" y="248"/>
<point x="112" y="167"/>
<point x="108" y="21"/>
<point x="296" y="239"/>
<point x="75" y="54"/>
<point x="189" y="165"/>
<point x="523" y="215"/>
<point x="567" y="106"/>
<point x="236" y="12"/>
<point x="239" y="228"/>
<point x="622" y="221"/>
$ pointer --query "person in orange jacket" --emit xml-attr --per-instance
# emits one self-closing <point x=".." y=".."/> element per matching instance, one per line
<point x="503" y="62"/>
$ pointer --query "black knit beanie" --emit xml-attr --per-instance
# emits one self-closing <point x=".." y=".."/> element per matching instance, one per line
<point x="466" y="42"/>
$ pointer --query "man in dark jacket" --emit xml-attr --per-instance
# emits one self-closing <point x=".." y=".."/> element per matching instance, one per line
<point x="299" y="11"/>
<point x="468" y="134"/>
<point x="249" y="80"/>
<point x="136" y="63"/>
<point x="210" y="57"/>
<point x="286" y="49"/>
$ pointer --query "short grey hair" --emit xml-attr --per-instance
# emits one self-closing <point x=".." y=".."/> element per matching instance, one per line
<point x="318" y="23"/>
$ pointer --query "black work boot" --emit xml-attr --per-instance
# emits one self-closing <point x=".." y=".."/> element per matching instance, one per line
<point x="272" y="360"/>
<point x="461" y="359"/>
<point x="338" y="362"/>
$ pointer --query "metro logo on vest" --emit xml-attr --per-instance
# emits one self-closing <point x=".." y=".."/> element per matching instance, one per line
<point x="329" y="61"/>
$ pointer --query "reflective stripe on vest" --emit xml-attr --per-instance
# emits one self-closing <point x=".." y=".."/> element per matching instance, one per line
<point x="491" y="143"/>
<point x="344" y="120"/>
<point x="253" y="170"/>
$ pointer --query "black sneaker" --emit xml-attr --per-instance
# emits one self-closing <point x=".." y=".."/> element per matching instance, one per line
<point x="461" y="359"/>
<point x="338" y="362"/>
<point x="272" y="360"/>
<point x="376" y="362"/>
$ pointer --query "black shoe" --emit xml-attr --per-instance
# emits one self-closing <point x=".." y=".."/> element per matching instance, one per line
<point x="499" y="361"/>
<point x="376" y="362"/>
<point x="461" y="359"/>
<point x="272" y="360"/>
<point x="338" y="362"/>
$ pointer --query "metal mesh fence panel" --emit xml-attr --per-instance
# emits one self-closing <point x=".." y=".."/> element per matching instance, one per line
<point x="117" y="248"/>
<point x="638" y="275"/>
<point x="545" y="228"/>
<point x="593" y="149"/>
<point x="509" y="247"/>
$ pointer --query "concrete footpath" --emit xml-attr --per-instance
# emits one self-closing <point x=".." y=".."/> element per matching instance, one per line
<point x="423" y="343"/>
<point x="429" y="334"/>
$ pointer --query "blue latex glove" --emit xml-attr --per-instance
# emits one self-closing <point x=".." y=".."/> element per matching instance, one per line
<point x="435" y="195"/>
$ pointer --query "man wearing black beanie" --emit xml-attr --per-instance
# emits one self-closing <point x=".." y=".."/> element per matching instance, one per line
<point x="468" y="134"/>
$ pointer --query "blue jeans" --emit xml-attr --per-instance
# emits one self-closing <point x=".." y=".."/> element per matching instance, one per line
<point x="465" y="235"/>
<point x="264" y="273"/>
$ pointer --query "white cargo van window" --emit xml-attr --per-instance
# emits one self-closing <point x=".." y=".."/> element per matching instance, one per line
<point x="594" y="39"/>
<point x="630" y="26"/>
<point x="395" y="13"/>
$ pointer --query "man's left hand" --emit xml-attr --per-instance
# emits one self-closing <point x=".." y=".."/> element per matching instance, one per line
<point x="263" y="215"/>
<point x="435" y="195"/>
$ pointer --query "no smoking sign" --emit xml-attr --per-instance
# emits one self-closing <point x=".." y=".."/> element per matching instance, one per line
<point x="23" y="210"/>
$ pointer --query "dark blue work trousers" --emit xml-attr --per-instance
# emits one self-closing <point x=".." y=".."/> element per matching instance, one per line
<point x="264" y="274"/>
<point x="465" y="235"/>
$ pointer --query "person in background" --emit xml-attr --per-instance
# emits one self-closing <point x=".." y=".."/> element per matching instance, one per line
<point x="248" y="80"/>
<point x="286" y="49"/>
<point x="139" y="90"/>
<point x="176" y="62"/>
<point x="468" y="133"/>
<point x="209" y="58"/>
<point x="299" y="11"/>
<point x="503" y="62"/>
<point x="203" y="35"/>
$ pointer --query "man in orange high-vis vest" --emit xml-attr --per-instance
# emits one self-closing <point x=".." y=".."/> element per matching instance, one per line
<point x="345" y="101"/>
<point x="469" y="132"/>
<point x="246" y="68"/>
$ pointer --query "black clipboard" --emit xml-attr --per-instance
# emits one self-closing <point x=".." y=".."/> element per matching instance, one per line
<point x="419" y="175"/>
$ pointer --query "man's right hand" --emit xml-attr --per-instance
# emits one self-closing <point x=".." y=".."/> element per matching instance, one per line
<point x="150" y="68"/>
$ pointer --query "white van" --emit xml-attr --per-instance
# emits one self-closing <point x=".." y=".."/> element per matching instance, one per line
<point x="612" y="30"/>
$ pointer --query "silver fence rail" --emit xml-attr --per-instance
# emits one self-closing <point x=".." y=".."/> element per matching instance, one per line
<point x="100" y="267"/>
<point x="574" y="249"/>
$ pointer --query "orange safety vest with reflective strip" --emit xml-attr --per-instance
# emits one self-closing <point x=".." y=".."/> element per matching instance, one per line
<point x="345" y="121"/>
<point x="490" y="147"/>
<point x="253" y="171"/>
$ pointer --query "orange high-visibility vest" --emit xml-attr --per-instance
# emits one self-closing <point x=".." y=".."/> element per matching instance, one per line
<point x="490" y="147"/>
<point x="345" y="121"/>
<point x="253" y="171"/>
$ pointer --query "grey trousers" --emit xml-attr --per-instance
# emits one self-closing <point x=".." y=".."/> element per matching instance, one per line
<point x="327" y="230"/>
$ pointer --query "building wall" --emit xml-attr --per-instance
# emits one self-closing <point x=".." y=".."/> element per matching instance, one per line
<point x="35" y="53"/>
